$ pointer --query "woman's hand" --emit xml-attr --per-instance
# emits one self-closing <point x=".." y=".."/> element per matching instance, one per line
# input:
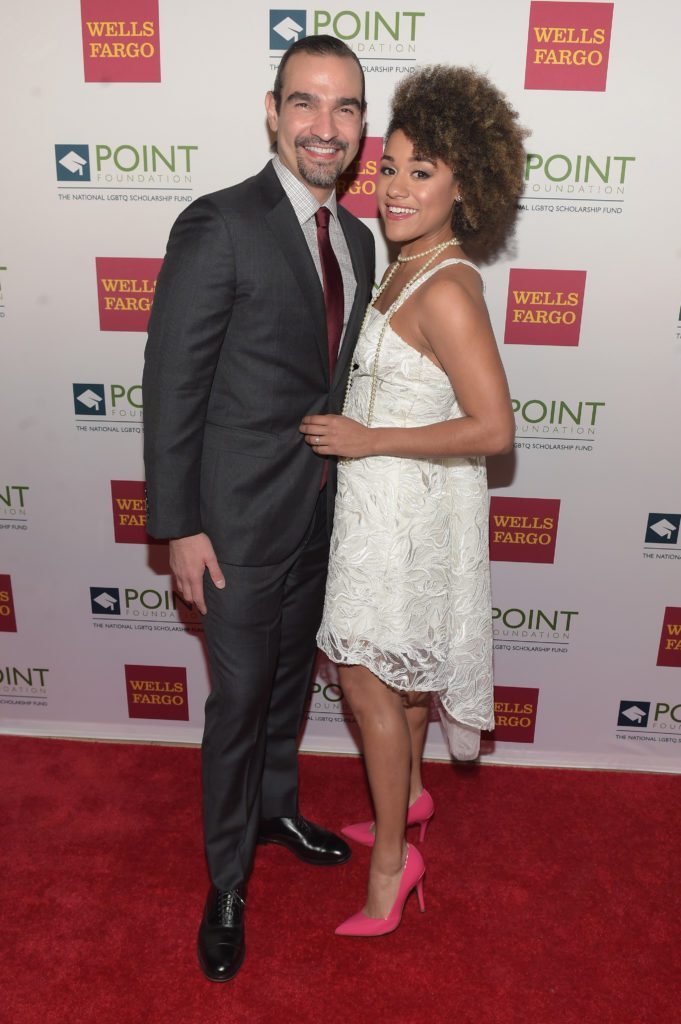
<point x="337" y="435"/>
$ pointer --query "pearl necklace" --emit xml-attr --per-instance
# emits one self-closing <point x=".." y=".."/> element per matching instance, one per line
<point x="427" y="252"/>
<point x="433" y="255"/>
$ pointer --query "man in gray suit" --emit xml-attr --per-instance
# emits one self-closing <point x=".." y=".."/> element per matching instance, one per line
<point x="255" y="317"/>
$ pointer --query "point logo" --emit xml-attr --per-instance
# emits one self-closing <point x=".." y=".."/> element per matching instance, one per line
<point x="544" y="307"/>
<point x="157" y="607"/>
<point x="580" y="175"/>
<point x="121" y="40"/>
<point x="124" y="402"/>
<point x="73" y="162"/>
<point x="532" y="625"/>
<point x="125" y="291"/>
<point x="286" y="28"/>
<point x="145" y="167"/>
<point x="105" y="601"/>
<point x="669" y="651"/>
<point x="568" y="46"/>
<point x="663" y="528"/>
<point x="633" y="714"/>
<point x="130" y="512"/>
<point x="12" y="502"/>
<point x="23" y="682"/>
<point x="367" y="32"/>
<point x="555" y="416"/>
<point x="356" y="188"/>
<point x="523" y="529"/>
<point x="155" y="691"/>
<point x="552" y="424"/>
<point x="658" y="720"/>
<point x="515" y="714"/>
<point x="8" y="619"/>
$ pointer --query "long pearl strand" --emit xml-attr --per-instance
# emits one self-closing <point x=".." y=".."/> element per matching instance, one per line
<point x="433" y="254"/>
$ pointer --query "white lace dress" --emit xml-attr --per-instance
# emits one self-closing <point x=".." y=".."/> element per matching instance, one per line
<point x="408" y="592"/>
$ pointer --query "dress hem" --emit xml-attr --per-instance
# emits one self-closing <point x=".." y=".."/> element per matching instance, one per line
<point x="452" y="708"/>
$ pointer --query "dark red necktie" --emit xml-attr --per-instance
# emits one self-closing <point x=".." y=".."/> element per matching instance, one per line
<point x="333" y="299"/>
<point x="333" y="287"/>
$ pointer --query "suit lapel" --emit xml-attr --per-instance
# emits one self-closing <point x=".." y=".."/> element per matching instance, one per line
<point x="288" y="234"/>
<point x="361" y="298"/>
<point x="284" y="225"/>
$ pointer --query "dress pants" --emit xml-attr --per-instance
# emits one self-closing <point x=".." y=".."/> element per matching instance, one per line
<point x="261" y="638"/>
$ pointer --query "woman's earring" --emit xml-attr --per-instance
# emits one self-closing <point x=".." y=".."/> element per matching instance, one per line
<point x="459" y="199"/>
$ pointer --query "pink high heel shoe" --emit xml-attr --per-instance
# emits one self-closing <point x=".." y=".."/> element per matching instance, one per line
<point x="419" y="813"/>
<point x="412" y="878"/>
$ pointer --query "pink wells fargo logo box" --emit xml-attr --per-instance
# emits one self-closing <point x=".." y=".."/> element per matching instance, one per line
<point x="669" y="651"/>
<point x="8" y="620"/>
<point x="544" y="307"/>
<point x="515" y="714"/>
<point x="568" y="46"/>
<point x="357" y="187"/>
<point x="157" y="691"/>
<point x="121" y="40"/>
<point x="129" y="505"/>
<point x="523" y="529"/>
<point x="125" y="291"/>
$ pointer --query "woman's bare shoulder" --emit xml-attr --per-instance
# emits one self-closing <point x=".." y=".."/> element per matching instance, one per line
<point x="456" y="288"/>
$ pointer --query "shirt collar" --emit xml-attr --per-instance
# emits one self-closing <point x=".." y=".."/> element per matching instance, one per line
<point x="303" y="202"/>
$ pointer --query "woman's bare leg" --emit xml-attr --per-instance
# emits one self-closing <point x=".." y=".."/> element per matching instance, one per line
<point x="417" y="720"/>
<point x="386" y="742"/>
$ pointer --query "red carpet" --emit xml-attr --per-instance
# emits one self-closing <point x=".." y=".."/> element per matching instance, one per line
<point x="552" y="897"/>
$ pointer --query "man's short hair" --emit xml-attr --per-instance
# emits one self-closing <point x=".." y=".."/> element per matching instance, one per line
<point x="319" y="46"/>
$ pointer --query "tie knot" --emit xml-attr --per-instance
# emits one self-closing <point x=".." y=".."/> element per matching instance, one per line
<point x="322" y="217"/>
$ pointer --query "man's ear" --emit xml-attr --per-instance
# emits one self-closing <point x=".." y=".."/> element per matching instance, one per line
<point x="271" y="108"/>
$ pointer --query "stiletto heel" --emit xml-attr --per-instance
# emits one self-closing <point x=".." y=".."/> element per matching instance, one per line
<point x="419" y="894"/>
<point x="412" y="878"/>
<point x="419" y="813"/>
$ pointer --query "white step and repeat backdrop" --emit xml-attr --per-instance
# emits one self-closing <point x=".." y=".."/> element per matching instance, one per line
<point x="117" y="114"/>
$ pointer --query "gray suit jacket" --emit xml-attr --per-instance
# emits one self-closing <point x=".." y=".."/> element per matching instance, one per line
<point x="236" y="356"/>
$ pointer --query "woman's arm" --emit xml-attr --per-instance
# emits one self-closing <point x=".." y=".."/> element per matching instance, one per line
<point x="454" y="324"/>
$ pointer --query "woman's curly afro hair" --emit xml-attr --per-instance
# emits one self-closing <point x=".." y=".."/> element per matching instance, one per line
<point x="457" y="116"/>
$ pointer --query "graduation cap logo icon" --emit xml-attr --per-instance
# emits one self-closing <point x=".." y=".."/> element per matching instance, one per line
<point x="286" y="28"/>
<point x="633" y="713"/>
<point x="105" y="601"/>
<point x="73" y="162"/>
<point x="663" y="528"/>
<point x="88" y="400"/>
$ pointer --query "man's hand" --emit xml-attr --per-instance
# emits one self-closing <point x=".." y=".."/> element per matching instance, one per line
<point x="189" y="557"/>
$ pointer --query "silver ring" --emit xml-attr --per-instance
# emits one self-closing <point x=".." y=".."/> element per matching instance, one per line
<point x="317" y="440"/>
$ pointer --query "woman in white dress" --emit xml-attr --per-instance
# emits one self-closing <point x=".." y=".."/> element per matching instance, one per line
<point x="408" y="609"/>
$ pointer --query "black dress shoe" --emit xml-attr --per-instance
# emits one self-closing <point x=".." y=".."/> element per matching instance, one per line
<point x="309" y="842"/>
<point x="221" y="946"/>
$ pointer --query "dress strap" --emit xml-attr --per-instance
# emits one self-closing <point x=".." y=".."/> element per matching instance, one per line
<point x="411" y="288"/>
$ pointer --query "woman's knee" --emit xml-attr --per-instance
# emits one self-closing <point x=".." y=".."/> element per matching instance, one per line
<point x="416" y="699"/>
<point x="368" y="696"/>
<point x="354" y="688"/>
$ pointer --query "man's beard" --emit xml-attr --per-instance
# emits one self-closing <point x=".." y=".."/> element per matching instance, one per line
<point x="320" y="176"/>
